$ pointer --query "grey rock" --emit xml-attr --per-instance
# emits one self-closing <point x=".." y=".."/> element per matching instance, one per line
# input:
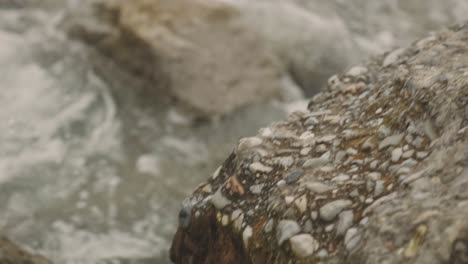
<point x="345" y="221"/>
<point x="392" y="57"/>
<point x="294" y="176"/>
<point x="422" y="154"/>
<point x="303" y="245"/>
<point x="356" y="71"/>
<point x="330" y="210"/>
<point x="318" y="187"/>
<point x="352" y="239"/>
<point x="286" y="229"/>
<point x="396" y="154"/>
<point x="256" y="189"/>
<point x="391" y="141"/>
<point x="269" y="226"/>
<point x="247" y="143"/>
<point x="219" y="201"/>
<point x="408" y="154"/>
<point x="259" y="167"/>
<point x="379" y="188"/>
<point x="315" y="163"/>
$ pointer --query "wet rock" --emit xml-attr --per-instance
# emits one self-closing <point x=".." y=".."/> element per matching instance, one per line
<point x="330" y="210"/>
<point x="286" y="229"/>
<point x="303" y="245"/>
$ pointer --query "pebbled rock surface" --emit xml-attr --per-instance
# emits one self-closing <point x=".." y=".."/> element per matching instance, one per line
<point x="10" y="253"/>
<point x="375" y="171"/>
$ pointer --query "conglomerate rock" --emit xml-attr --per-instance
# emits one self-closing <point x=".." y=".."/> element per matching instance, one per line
<point x="375" y="171"/>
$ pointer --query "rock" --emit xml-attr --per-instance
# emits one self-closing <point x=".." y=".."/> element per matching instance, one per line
<point x="286" y="229"/>
<point x="356" y="71"/>
<point x="294" y="176"/>
<point x="247" y="143"/>
<point x="329" y="211"/>
<point x="392" y="57"/>
<point x="375" y="213"/>
<point x="345" y="221"/>
<point x="219" y="200"/>
<point x="303" y="245"/>
<point x="246" y="235"/>
<point x="12" y="253"/>
<point x="259" y="167"/>
<point x="391" y="141"/>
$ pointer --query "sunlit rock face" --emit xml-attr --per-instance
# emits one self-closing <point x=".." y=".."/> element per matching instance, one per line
<point x="371" y="172"/>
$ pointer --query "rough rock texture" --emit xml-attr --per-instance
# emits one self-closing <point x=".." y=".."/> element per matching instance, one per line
<point x="11" y="253"/>
<point x="333" y="178"/>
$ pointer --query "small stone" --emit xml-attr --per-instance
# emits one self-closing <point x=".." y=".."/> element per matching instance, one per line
<point x="373" y="165"/>
<point x="247" y="143"/>
<point x="237" y="217"/>
<point x="216" y="173"/>
<point x="409" y="163"/>
<point x="369" y="200"/>
<point x="374" y="176"/>
<point x="392" y="57"/>
<point x="315" y="163"/>
<point x="340" y="155"/>
<point x="246" y="235"/>
<point x="408" y="154"/>
<point x="322" y="148"/>
<point x="379" y="188"/>
<point x="294" y="176"/>
<point x="269" y="226"/>
<point x="329" y="228"/>
<point x="352" y="239"/>
<point x="308" y="226"/>
<point x="341" y="178"/>
<point x="422" y="154"/>
<point x="305" y="151"/>
<point x="256" y="189"/>
<point x="364" y="221"/>
<point x="354" y="193"/>
<point x="383" y="132"/>
<point x="323" y="253"/>
<point x="288" y="199"/>
<point x="285" y="162"/>
<point x="351" y="151"/>
<point x="219" y="201"/>
<point x="225" y="220"/>
<point x="396" y="154"/>
<point x="314" y="215"/>
<point x="259" y="167"/>
<point x="330" y="210"/>
<point x="286" y="229"/>
<point x="356" y="71"/>
<point x="391" y="141"/>
<point x="311" y="121"/>
<point x="303" y="245"/>
<point x="345" y="221"/>
<point x="326" y="155"/>
<point x="301" y="203"/>
<point x="318" y="187"/>
<point x="326" y="139"/>
<point x="417" y="142"/>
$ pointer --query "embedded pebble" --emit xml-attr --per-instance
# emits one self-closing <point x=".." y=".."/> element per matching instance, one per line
<point x="288" y="199"/>
<point x="225" y="220"/>
<point x="216" y="173"/>
<point x="286" y="162"/>
<point x="369" y="144"/>
<point x="256" y="189"/>
<point x="246" y="235"/>
<point x="286" y="229"/>
<point x="379" y="188"/>
<point x="345" y="221"/>
<point x="408" y="154"/>
<point x="374" y="175"/>
<point x="308" y="226"/>
<point x="391" y="141"/>
<point x="409" y="163"/>
<point x="326" y="139"/>
<point x="373" y="165"/>
<point x="219" y="201"/>
<point x="323" y="253"/>
<point x="322" y="148"/>
<point x="352" y="238"/>
<point x="396" y="154"/>
<point x="329" y="228"/>
<point x="318" y="187"/>
<point x="294" y="176"/>
<point x="301" y="203"/>
<point x="392" y="57"/>
<point x="351" y="151"/>
<point x="422" y="154"/>
<point x="237" y="217"/>
<point x="330" y="210"/>
<point x="356" y="71"/>
<point x="341" y="178"/>
<point x="417" y="142"/>
<point x="247" y="143"/>
<point x="340" y="155"/>
<point x="314" y="163"/>
<point x="269" y="226"/>
<point x="314" y="215"/>
<point x="305" y="151"/>
<point x="303" y="245"/>
<point x="257" y="166"/>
